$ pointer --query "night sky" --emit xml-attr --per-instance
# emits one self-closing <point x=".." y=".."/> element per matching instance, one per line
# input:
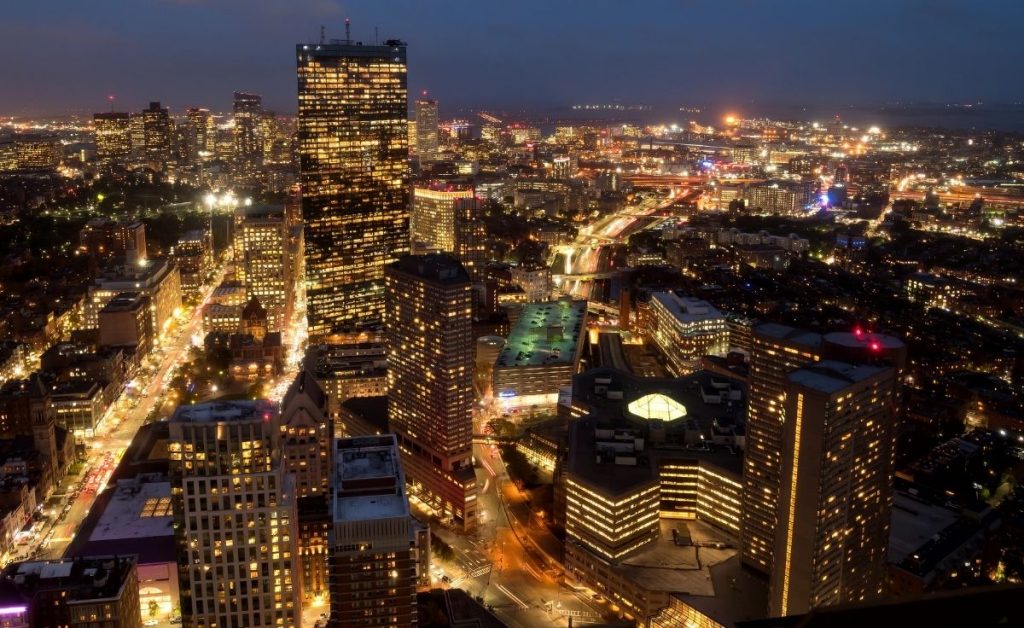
<point x="63" y="56"/>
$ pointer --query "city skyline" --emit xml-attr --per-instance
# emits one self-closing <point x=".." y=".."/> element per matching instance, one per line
<point x="738" y="53"/>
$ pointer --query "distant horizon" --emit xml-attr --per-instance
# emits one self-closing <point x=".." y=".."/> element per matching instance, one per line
<point x="981" y="116"/>
<point x="533" y="53"/>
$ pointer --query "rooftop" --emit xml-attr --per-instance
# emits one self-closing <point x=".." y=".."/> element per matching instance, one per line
<point x="369" y="482"/>
<point x="242" y="410"/>
<point x="829" y="376"/>
<point x="687" y="309"/>
<point x="94" y="578"/>
<point x="793" y="335"/>
<point x="545" y="334"/>
<point x="436" y="267"/>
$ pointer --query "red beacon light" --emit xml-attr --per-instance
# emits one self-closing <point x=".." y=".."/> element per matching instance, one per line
<point x="875" y="346"/>
<point x="857" y="331"/>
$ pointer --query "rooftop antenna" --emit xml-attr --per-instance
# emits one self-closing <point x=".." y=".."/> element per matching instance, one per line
<point x="322" y="34"/>
<point x="348" y="30"/>
<point x="111" y="99"/>
<point x="376" y="37"/>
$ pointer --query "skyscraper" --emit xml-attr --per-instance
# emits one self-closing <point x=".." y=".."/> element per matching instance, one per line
<point x="264" y="264"/>
<point x="235" y="512"/>
<point x="113" y="136"/>
<point x="354" y="172"/>
<point x="374" y="553"/>
<point x="432" y="222"/>
<point x="429" y="339"/>
<point x="204" y="132"/>
<point x="835" y="498"/>
<point x="248" y="110"/>
<point x="471" y="236"/>
<point x="157" y="132"/>
<point x="426" y="130"/>
<point x="777" y="351"/>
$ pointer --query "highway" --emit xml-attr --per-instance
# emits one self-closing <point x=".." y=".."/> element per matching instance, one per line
<point x="577" y="267"/>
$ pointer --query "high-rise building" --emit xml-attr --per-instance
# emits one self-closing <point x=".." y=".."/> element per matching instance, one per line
<point x="248" y="110"/>
<point x="205" y="131"/>
<point x="235" y="511"/>
<point x="374" y="549"/>
<point x="686" y="329"/>
<point x="777" y="351"/>
<point x="447" y="218"/>
<point x="264" y="265"/>
<point x="429" y="339"/>
<point x="471" y="236"/>
<point x="835" y="497"/>
<point x="426" y="130"/>
<point x="113" y="136"/>
<point x="354" y="172"/>
<point x="306" y="435"/>
<point x="432" y="222"/>
<point x="157" y="134"/>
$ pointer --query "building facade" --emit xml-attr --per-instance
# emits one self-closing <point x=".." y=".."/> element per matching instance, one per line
<point x="429" y="340"/>
<point x="354" y="174"/>
<point x="236" y="516"/>
<point x="374" y="549"/>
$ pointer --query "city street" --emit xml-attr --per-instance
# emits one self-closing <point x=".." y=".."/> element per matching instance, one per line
<point x="117" y="429"/>
<point x="500" y="562"/>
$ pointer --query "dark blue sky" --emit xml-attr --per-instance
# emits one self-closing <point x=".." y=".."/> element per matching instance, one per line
<point x="67" y="55"/>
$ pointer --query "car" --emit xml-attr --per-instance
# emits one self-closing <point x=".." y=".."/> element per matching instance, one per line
<point x="151" y="622"/>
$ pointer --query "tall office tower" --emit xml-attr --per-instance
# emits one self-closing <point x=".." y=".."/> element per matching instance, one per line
<point x="471" y="236"/>
<point x="157" y="134"/>
<point x="426" y="130"/>
<point x="306" y="435"/>
<point x="205" y="131"/>
<point x="113" y="137"/>
<point x="432" y="222"/>
<point x="430" y="349"/>
<point x="248" y="110"/>
<point x="264" y="265"/>
<point x="354" y="172"/>
<point x="137" y="124"/>
<point x="235" y="514"/>
<point x="374" y="549"/>
<point x="835" y="498"/>
<point x="777" y="351"/>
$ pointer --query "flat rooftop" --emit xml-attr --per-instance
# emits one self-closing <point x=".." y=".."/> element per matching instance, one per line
<point x="687" y="309"/>
<point x="710" y="579"/>
<point x="829" y="376"/>
<point x="369" y="481"/>
<point x="790" y="334"/>
<point x="914" y="523"/>
<point x="545" y="334"/>
<point x="136" y="510"/>
<point x="215" y="411"/>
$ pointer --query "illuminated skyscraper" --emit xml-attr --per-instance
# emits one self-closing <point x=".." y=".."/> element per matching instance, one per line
<point x="777" y="351"/>
<point x="835" y="498"/>
<point x="426" y="130"/>
<point x="113" y="136"/>
<point x="432" y="222"/>
<point x="447" y="218"/>
<point x="204" y="132"/>
<point x="353" y="159"/>
<point x="248" y="110"/>
<point x="264" y="264"/>
<point x="157" y="132"/>
<point x="471" y="236"/>
<point x="236" y="516"/>
<point x="429" y="339"/>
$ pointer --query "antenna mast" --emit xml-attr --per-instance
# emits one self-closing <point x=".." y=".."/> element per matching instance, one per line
<point x="348" y="30"/>
<point x="321" y="34"/>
